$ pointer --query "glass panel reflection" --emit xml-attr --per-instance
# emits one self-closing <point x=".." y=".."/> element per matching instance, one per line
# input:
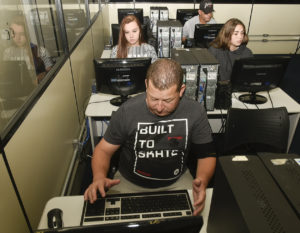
<point x="93" y="7"/>
<point x="75" y="19"/>
<point x="30" y="46"/>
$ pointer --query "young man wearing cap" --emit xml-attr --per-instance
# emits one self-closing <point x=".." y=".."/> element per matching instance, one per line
<point x="205" y="17"/>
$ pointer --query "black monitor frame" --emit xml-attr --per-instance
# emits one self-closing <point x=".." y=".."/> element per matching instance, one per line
<point x="184" y="15"/>
<point x="115" y="30"/>
<point x="121" y="76"/>
<point x="206" y="33"/>
<point x="137" y="12"/>
<point x="256" y="74"/>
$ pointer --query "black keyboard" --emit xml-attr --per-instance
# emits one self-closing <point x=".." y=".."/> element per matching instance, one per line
<point x="137" y="206"/>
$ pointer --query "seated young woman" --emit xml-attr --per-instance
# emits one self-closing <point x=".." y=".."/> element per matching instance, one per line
<point x="230" y="45"/>
<point x="131" y="41"/>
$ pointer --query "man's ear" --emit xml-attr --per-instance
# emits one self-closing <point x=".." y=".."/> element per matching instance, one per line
<point x="182" y="89"/>
<point x="146" y="83"/>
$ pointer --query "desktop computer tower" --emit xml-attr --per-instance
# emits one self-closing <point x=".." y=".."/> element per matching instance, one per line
<point x="190" y="67"/>
<point x="157" y="14"/>
<point x="208" y="77"/>
<point x="246" y="199"/>
<point x="169" y="35"/>
<point x="285" y="170"/>
<point x="207" y="73"/>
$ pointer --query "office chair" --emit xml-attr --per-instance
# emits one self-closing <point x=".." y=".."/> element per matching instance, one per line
<point x="249" y="131"/>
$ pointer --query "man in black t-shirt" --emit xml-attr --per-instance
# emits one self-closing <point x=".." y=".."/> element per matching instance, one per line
<point x="158" y="131"/>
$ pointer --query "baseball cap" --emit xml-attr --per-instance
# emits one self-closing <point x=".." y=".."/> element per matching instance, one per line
<point x="206" y="6"/>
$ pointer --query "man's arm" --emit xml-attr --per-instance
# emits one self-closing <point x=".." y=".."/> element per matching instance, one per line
<point x="205" y="171"/>
<point x="100" y="166"/>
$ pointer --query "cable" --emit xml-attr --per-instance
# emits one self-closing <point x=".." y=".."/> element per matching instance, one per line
<point x="239" y="100"/>
<point x="298" y="46"/>
<point x="173" y="38"/>
<point x="160" y="44"/>
<point x="271" y="99"/>
<point x="250" y="17"/>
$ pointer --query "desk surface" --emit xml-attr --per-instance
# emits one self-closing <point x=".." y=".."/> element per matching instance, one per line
<point x="72" y="209"/>
<point x="99" y="105"/>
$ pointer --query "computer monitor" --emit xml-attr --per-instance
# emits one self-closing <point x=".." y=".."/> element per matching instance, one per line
<point x="184" y="15"/>
<point x="115" y="30"/>
<point x="256" y="74"/>
<point x="75" y="18"/>
<point x="137" y="12"/>
<point x="189" y="224"/>
<point x="246" y="199"/>
<point x="206" y="33"/>
<point x="121" y="76"/>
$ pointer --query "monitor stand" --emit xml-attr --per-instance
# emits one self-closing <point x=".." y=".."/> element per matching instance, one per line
<point x="253" y="98"/>
<point x="117" y="101"/>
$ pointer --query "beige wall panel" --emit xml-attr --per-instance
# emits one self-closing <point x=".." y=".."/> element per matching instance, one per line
<point x="11" y="217"/>
<point x="275" y="19"/>
<point x="98" y="36"/>
<point x="272" y="47"/>
<point x="106" y="23"/>
<point x="40" y="151"/>
<point x="83" y="72"/>
<point x="280" y="22"/>
<point x="222" y="13"/>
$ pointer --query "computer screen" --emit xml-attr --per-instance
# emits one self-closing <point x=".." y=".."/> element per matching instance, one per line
<point x="189" y="224"/>
<point x="75" y="18"/>
<point x="206" y="33"/>
<point x="115" y="30"/>
<point x="137" y="12"/>
<point x="256" y="74"/>
<point x="184" y="15"/>
<point x="121" y="76"/>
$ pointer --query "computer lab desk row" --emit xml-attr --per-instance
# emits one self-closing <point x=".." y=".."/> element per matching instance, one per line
<point x="99" y="110"/>
<point x="72" y="207"/>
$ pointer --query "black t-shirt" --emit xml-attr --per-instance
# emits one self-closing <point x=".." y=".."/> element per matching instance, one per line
<point x="154" y="149"/>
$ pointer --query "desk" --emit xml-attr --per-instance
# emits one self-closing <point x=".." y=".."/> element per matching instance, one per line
<point x="99" y="111"/>
<point x="72" y="209"/>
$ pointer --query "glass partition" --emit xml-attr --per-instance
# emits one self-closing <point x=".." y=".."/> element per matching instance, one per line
<point x="30" y="45"/>
<point x="93" y="8"/>
<point x="76" y="20"/>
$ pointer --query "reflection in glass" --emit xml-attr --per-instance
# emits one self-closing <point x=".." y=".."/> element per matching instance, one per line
<point x="75" y="19"/>
<point x="29" y="48"/>
<point x="93" y="7"/>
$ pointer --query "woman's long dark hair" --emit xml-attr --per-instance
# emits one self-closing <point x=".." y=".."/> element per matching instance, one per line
<point x="223" y="39"/>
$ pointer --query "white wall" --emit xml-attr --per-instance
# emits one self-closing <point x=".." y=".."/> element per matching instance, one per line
<point x="266" y="19"/>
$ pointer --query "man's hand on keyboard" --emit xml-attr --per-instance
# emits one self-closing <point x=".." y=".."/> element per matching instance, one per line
<point x="199" y="194"/>
<point x="100" y="185"/>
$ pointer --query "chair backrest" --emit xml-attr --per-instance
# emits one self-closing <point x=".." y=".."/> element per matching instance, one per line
<point x="256" y="130"/>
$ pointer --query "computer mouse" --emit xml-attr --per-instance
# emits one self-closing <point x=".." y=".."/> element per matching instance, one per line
<point x="55" y="218"/>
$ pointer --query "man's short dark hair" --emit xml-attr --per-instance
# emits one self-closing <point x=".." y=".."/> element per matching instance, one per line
<point x="164" y="73"/>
